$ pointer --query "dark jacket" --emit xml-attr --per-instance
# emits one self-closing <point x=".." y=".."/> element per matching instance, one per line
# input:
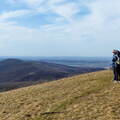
<point x="114" y="64"/>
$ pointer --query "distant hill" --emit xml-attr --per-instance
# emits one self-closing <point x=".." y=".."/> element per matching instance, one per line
<point x="90" y="96"/>
<point x="16" y="73"/>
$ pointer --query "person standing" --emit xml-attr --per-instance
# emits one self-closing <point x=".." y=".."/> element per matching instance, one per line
<point x="116" y="65"/>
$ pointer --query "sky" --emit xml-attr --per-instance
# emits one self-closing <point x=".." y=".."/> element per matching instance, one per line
<point x="59" y="27"/>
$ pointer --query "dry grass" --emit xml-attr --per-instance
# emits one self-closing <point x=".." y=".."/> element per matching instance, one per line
<point x="90" y="96"/>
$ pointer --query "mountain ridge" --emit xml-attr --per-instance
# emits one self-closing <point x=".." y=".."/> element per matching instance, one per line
<point x="15" y="73"/>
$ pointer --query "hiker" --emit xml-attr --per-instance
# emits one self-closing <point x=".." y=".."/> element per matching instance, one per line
<point x="116" y="65"/>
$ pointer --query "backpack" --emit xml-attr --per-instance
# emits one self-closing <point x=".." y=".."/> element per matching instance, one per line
<point x="118" y="60"/>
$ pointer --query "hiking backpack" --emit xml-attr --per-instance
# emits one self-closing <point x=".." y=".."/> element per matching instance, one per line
<point x="118" y="60"/>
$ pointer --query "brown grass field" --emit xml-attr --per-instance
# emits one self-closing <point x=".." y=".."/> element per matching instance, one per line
<point x="91" y="96"/>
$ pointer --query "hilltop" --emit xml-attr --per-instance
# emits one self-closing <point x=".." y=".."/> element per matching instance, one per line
<point x="15" y="73"/>
<point x="91" y="96"/>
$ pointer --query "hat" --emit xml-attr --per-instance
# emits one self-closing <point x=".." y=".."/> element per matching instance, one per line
<point x="115" y="51"/>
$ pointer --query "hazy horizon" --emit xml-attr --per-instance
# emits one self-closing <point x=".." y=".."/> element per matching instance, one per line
<point x="59" y="56"/>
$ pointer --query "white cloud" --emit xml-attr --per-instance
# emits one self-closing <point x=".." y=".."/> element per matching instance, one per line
<point x="13" y="14"/>
<point x="55" y="2"/>
<point x="33" y="3"/>
<point x="67" y="10"/>
<point x="60" y="7"/>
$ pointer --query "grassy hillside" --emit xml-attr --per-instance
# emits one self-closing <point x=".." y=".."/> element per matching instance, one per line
<point x="90" y="96"/>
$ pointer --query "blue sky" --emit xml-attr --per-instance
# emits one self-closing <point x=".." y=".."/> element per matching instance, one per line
<point x="59" y="27"/>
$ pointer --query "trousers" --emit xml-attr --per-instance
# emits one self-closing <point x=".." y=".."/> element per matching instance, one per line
<point x="116" y="71"/>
